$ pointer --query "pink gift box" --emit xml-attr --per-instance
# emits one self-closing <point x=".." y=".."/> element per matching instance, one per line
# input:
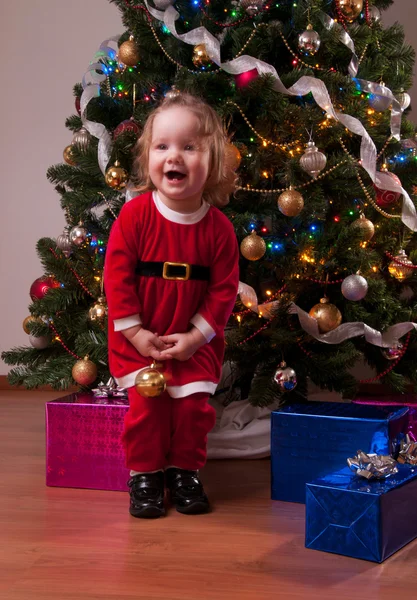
<point x="83" y="442"/>
<point x="409" y="400"/>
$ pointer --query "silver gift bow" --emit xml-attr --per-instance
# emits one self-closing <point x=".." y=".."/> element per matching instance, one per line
<point x="408" y="451"/>
<point x="109" y="390"/>
<point x="302" y="87"/>
<point x="372" y="466"/>
<point x="95" y="74"/>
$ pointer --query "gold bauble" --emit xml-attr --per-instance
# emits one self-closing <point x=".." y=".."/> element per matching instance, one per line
<point x="200" y="56"/>
<point x="84" y="372"/>
<point x="116" y="177"/>
<point x="98" y="311"/>
<point x="290" y="203"/>
<point x="327" y="315"/>
<point x="401" y="271"/>
<point x="350" y="9"/>
<point x="129" y="53"/>
<point x="150" y="382"/>
<point x="253" y="247"/>
<point x="365" y="226"/>
<point x="69" y="156"/>
<point x="233" y="156"/>
<point x="30" y="319"/>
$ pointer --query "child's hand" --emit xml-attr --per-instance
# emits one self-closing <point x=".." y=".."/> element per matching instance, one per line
<point x="146" y="342"/>
<point x="182" y="345"/>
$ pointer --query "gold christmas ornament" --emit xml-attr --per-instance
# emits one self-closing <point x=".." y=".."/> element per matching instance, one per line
<point x="290" y="203"/>
<point x="327" y="315"/>
<point x="200" y="56"/>
<point x="253" y="247"/>
<point x="350" y="9"/>
<point x="98" y="311"/>
<point x="30" y="319"/>
<point x="116" y="177"/>
<point x="84" y="372"/>
<point x="401" y="271"/>
<point x="129" y="53"/>
<point x="365" y="226"/>
<point x="232" y="156"/>
<point x="150" y="382"/>
<point x="69" y="156"/>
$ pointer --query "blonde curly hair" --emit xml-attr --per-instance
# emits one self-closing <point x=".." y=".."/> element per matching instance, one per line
<point x="221" y="179"/>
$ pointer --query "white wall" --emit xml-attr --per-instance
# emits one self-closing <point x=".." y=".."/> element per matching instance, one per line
<point x="48" y="45"/>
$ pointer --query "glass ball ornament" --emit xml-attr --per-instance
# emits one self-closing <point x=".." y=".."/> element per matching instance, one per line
<point x="81" y="139"/>
<point x="126" y="126"/>
<point x="172" y="93"/>
<point x="41" y="286"/>
<point x="394" y="352"/>
<point x="244" y="79"/>
<point x="40" y="342"/>
<point x="78" y="235"/>
<point x="28" y="320"/>
<point x="252" y="7"/>
<point x="380" y="102"/>
<point x="290" y="203"/>
<point x="313" y="161"/>
<point x="98" y="311"/>
<point x="68" y="155"/>
<point x="84" y="372"/>
<point x="327" y="315"/>
<point x="253" y="247"/>
<point x="309" y="41"/>
<point x="285" y="377"/>
<point x="354" y="287"/>
<point x="365" y="227"/>
<point x="200" y="56"/>
<point x="350" y="9"/>
<point x="385" y="198"/>
<point x="116" y="177"/>
<point x="404" y="99"/>
<point x="150" y="382"/>
<point x="374" y="14"/>
<point x="63" y="242"/>
<point x="399" y="268"/>
<point x="129" y="52"/>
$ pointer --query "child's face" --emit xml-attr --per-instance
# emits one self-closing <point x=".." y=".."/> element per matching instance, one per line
<point x="178" y="159"/>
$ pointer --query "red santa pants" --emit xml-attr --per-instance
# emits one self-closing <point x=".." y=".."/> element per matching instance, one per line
<point x="165" y="431"/>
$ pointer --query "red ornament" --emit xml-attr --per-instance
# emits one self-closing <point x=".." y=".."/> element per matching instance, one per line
<point x="243" y="79"/>
<point x="128" y="126"/>
<point x="385" y="197"/>
<point x="78" y="105"/>
<point x="40" y="287"/>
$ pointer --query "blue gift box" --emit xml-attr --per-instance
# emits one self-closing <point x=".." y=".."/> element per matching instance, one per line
<point x="346" y="514"/>
<point x="311" y="440"/>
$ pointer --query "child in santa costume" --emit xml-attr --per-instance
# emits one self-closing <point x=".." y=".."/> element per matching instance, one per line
<point x="171" y="279"/>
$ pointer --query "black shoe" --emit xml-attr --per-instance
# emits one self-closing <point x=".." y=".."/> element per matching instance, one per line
<point x="186" y="491"/>
<point x="147" y="495"/>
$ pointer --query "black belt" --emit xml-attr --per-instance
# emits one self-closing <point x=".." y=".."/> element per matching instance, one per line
<point x="171" y="270"/>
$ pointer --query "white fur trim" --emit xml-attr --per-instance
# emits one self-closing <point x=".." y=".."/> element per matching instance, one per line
<point x="181" y="391"/>
<point x="182" y="218"/>
<point x="203" y="326"/>
<point x="127" y="322"/>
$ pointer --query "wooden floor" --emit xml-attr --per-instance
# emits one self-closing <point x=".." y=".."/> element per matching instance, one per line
<point x="71" y="544"/>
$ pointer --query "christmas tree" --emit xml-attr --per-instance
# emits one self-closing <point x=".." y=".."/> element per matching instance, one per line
<point x="312" y="94"/>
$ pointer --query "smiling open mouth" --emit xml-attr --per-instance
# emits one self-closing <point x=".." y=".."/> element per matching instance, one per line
<point x="175" y="175"/>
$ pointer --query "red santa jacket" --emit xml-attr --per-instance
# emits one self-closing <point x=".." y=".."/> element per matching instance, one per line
<point x="147" y="230"/>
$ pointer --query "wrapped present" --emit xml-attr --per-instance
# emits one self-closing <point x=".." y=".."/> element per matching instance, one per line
<point x="83" y="442"/>
<point x="349" y="515"/>
<point x="310" y="440"/>
<point x="394" y="401"/>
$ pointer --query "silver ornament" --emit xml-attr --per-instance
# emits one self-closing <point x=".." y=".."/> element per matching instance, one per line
<point x="309" y="41"/>
<point x="354" y="287"/>
<point x="81" y="139"/>
<point x="374" y="14"/>
<point x="252" y="7"/>
<point x="404" y="99"/>
<point x="64" y="243"/>
<point x="313" y="161"/>
<point x="163" y="4"/>
<point x="285" y="377"/>
<point x="379" y="103"/>
<point x="172" y="93"/>
<point x="40" y="342"/>
<point x="394" y="352"/>
<point x="78" y="235"/>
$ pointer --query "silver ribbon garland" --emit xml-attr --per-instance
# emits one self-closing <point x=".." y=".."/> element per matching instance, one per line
<point x="302" y="87"/>
<point x="372" y="466"/>
<point x="96" y="74"/>
<point x="345" y="38"/>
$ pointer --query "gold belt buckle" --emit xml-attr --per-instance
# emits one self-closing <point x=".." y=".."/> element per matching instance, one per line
<point x="185" y="277"/>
